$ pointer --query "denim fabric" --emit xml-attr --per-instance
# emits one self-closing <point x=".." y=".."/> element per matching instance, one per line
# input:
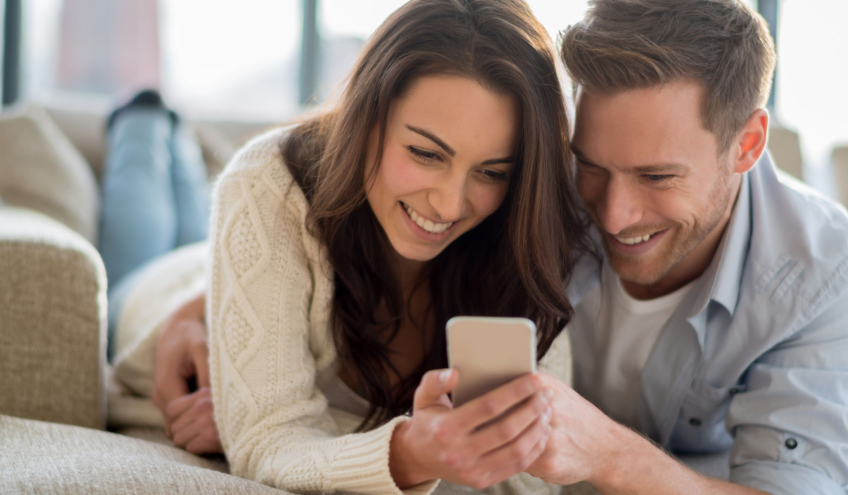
<point x="755" y="358"/>
<point x="155" y="198"/>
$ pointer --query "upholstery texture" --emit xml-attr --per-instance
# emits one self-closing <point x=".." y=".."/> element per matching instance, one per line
<point x="41" y="170"/>
<point x="38" y="458"/>
<point x="52" y="322"/>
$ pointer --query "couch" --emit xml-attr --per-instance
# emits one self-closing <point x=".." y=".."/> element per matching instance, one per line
<point x="54" y="379"/>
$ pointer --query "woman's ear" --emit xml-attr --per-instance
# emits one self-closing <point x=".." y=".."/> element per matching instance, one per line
<point x="751" y="141"/>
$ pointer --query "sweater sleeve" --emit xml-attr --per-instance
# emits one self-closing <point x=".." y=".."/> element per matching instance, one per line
<point x="268" y="337"/>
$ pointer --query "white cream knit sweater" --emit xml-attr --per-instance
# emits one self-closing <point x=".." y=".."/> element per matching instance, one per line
<point x="271" y="350"/>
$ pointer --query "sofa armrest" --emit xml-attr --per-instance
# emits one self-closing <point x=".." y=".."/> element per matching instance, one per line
<point x="52" y="322"/>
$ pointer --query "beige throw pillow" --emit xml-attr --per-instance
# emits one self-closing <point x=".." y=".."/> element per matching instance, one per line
<point x="41" y="170"/>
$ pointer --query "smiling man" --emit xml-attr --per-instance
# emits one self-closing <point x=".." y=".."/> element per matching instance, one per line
<point x="718" y="318"/>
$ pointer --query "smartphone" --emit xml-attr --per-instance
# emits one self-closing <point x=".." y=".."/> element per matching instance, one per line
<point x="489" y="352"/>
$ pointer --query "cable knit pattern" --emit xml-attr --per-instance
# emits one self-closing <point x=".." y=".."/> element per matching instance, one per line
<point x="271" y="349"/>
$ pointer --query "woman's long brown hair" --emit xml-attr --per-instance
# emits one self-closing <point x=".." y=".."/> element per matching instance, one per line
<point x="515" y="263"/>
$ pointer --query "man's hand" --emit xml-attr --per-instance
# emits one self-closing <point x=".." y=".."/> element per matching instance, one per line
<point x="586" y="445"/>
<point x="582" y="438"/>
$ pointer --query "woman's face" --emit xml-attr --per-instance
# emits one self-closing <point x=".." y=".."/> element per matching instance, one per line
<point x="448" y="156"/>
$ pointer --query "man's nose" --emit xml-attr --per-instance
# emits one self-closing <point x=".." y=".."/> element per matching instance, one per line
<point x="619" y="207"/>
<point x="449" y="196"/>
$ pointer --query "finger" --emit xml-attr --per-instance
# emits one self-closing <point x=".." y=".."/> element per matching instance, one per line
<point x="433" y="389"/>
<point x="515" y="456"/>
<point x="204" y="444"/>
<point x="185" y="435"/>
<point x="522" y="463"/>
<point x="202" y="407"/>
<point x="508" y="428"/>
<point x="167" y="388"/>
<point x="200" y="356"/>
<point x="178" y="407"/>
<point x="487" y="407"/>
<point x="201" y="426"/>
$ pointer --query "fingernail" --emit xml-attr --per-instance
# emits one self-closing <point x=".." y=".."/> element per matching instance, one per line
<point x="547" y="414"/>
<point x="444" y="376"/>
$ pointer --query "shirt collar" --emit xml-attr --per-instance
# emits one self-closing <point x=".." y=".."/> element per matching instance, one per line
<point x="721" y="280"/>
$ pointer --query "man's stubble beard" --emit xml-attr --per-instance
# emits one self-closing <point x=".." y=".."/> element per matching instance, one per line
<point x="680" y="248"/>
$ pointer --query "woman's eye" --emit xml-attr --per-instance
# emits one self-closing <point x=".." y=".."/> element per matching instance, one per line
<point x="423" y="156"/>
<point x="494" y="176"/>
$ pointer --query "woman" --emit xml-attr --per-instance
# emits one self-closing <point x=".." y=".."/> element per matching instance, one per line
<point x="437" y="187"/>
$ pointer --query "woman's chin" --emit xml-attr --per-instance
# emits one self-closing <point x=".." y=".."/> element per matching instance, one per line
<point x="420" y="254"/>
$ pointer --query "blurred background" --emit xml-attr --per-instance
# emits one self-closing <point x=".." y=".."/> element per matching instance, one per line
<point x="267" y="60"/>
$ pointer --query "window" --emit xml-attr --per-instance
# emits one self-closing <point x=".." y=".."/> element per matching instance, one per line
<point x="812" y="77"/>
<point x="209" y="57"/>
<point x="219" y="58"/>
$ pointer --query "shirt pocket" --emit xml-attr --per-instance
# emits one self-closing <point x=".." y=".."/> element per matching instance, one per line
<point x="700" y="425"/>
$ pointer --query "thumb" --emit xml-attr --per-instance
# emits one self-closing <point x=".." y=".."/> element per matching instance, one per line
<point x="168" y="385"/>
<point x="200" y="356"/>
<point x="434" y="388"/>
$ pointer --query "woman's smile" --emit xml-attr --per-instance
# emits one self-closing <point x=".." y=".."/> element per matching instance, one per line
<point x="424" y="227"/>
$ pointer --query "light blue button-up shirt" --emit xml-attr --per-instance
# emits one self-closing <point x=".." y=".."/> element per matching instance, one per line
<point x="755" y="358"/>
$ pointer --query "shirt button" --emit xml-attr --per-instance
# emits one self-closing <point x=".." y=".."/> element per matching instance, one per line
<point x="694" y="421"/>
<point x="791" y="443"/>
<point x="734" y="391"/>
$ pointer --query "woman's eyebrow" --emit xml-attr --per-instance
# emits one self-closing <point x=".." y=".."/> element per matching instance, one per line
<point x="495" y="161"/>
<point x="450" y="151"/>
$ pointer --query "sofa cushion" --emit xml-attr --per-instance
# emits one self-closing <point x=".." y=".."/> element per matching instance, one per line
<point x="41" y="170"/>
<point x="52" y="322"/>
<point x="38" y="457"/>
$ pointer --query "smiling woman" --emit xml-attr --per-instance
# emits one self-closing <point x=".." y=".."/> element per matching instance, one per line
<point x="438" y="186"/>
<point x="425" y="192"/>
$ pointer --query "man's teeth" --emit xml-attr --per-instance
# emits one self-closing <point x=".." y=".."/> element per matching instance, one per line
<point x="634" y="240"/>
<point x="433" y="228"/>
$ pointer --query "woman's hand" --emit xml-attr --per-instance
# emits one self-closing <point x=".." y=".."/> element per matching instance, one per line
<point x="481" y="443"/>
<point x="182" y="354"/>
<point x="192" y="423"/>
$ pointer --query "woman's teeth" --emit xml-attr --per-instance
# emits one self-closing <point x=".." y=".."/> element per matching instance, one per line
<point x="429" y="226"/>
<point x="634" y="240"/>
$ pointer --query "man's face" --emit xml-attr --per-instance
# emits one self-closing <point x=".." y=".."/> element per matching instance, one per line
<point x="652" y="180"/>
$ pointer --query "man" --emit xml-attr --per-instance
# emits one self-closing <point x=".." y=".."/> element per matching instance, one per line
<point x="719" y="317"/>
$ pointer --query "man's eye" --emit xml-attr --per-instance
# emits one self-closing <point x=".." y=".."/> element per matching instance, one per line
<point x="657" y="178"/>
<point x="586" y="166"/>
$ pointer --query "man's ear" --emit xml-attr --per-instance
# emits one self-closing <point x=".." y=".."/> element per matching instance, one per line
<point x="751" y="142"/>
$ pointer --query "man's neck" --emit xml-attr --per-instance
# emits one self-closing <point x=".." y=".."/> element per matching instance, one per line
<point x="693" y="265"/>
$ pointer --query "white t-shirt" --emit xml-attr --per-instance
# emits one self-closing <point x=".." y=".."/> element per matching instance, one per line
<point x="626" y="330"/>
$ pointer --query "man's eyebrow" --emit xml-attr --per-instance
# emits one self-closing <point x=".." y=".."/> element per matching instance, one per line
<point x="653" y="169"/>
<point x="450" y="151"/>
<point x="660" y="169"/>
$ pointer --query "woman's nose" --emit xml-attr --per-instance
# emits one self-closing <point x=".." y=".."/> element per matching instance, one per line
<point x="448" y="197"/>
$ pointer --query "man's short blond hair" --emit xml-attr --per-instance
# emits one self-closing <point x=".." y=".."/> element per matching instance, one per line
<point x="722" y="44"/>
